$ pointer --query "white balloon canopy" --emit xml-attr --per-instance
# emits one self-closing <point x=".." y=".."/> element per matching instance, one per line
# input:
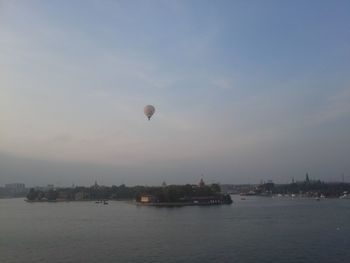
<point x="149" y="111"/>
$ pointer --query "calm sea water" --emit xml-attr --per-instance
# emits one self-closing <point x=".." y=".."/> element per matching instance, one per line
<point x="251" y="230"/>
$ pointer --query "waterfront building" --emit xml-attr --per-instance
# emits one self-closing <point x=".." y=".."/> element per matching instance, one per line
<point x="201" y="183"/>
<point x="80" y="196"/>
<point x="63" y="195"/>
<point x="146" y="199"/>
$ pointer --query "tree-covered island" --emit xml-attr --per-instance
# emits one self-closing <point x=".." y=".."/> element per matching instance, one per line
<point x="155" y="195"/>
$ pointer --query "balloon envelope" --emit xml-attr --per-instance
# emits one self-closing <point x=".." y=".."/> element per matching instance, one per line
<point x="149" y="111"/>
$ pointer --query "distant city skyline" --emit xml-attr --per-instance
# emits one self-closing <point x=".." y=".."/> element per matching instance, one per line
<point x="244" y="91"/>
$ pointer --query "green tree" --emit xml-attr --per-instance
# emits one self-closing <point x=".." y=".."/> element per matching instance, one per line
<point x="215" y="188"/>
<point x="32" y="195"/>
<point x="51" y="195"/>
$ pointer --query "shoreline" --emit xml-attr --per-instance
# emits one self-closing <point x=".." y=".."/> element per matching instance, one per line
<point x="178" y="204"/>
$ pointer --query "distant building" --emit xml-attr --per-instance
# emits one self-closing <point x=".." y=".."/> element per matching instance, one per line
<point x="307" y="179"/>
<point x="63" y="195"/>
<point x="229" y="188"/>
<point x="80" y="196"/>
<point x="45" y="188"/>
<point x="201" y="183"/>
<point x="15" y="188"/>
<point x="146" y="199"/>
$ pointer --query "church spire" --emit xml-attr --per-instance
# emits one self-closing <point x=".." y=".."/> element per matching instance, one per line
<point x="201" y="183"/>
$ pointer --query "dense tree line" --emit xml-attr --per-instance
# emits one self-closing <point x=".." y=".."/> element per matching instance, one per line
<point x="178" y="193"/>
<point x="169" y="193"/>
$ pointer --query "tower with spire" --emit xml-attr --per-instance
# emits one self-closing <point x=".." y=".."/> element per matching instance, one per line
<point x="307" y="179"/>
<point x="95" y="184"/>
<point x="201" y="183"/>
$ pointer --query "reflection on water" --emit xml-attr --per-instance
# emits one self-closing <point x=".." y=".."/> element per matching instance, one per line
<point x="251" y="230"/>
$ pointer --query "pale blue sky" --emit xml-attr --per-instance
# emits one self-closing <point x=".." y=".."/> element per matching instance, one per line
<point x="244" y="91"/>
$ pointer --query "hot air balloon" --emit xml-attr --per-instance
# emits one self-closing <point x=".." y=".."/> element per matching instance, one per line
<point x="149" y="111"/>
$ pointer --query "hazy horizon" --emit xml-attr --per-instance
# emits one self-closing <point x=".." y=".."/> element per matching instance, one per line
<point x="244" y="91"/>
